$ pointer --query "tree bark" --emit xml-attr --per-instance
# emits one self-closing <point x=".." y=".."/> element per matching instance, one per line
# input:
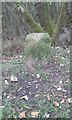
<point x="63" y="20"/>
<point x="32" y="23"/>
<point x="44" y="17"/>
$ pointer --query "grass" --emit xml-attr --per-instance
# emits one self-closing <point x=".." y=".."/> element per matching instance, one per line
<point x="0" y="112"/>
<point x="39" y="103"/>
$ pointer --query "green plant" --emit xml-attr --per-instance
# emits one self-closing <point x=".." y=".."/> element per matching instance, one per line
<point x="0" y="112"/>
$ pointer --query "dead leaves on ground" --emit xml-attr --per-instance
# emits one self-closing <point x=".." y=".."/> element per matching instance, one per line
<point x="22" y="115"/>
<point x="56" y="104"/>
<point x="69" y="100"/>
<point x="34" y="114"/>
<point x="38" y="76"/>
<point x="49" y="98"/>
<point x="24" y="97"/>
<point x="13" y="78"/>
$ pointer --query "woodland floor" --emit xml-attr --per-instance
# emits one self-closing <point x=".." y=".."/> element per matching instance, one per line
<point x="44" y="94"/>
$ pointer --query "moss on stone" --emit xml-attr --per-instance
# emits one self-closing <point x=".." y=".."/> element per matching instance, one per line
<point x="38" y="48"/>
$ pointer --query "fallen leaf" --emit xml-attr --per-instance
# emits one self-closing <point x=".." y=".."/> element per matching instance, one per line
<point x="4" y="94"/>
<point x="24" y="97"/>
<point x="61" y="65"/>
<point x="6" y="82"/>
<point x="13" y="78"/>
<point x="64" y="90"/>
<point x="38" y="76"/>
<point x="34" y="114"/>
<point x="59" y="95"/>
<point x="63" y="100"/>
<point x="61" y="81"/>
<point x="36" y="95"/>
<point x="68" y="51"/>
<point x="11" y="58"/>
<point x="30" y="93"/>
<point x="65" y="96"/>
<point x="59" y="88"/>
<point x="60" y="107"/>
<point x="63" y="58"/>
<point x="22" y="115"/>
<point x="49" y="98"/>
<point x="36" y="86"/>
<point x="47" y="116"/>
<point x="8" y="96"/>
<point x="56" y="103"/>
<point x="69" y="100"/>
<point x="20" y="56"/>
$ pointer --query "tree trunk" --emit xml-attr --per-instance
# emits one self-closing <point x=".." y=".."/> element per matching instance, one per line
<point x="63" y="20"/>
<point x="54" y="11"/>
<point x="32" y="23"/>
<point x="44" y="17"/>
<point x="15" y="27"/>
